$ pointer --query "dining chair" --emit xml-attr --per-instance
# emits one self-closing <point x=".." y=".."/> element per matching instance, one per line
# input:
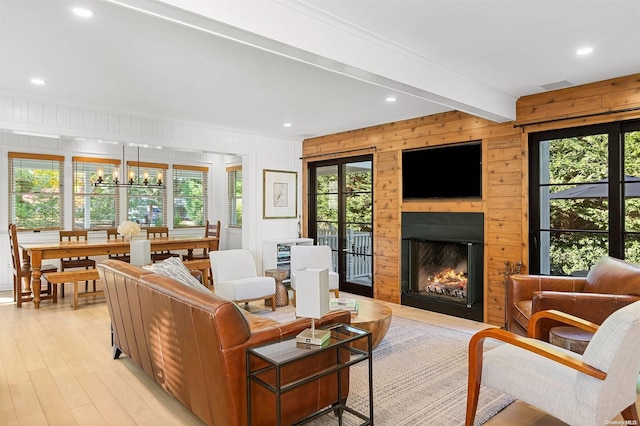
<point x="112" y="234"/>
<point x="588" y="389"/>
<point x="209" y="232"/>
<point x="160" y="232"/>
<point x="22" y="273"/>
<point x="76" y="262"/>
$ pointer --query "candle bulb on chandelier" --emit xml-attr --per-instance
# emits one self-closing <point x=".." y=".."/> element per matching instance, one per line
<point x="145" y="178"/>
<point x="100" y="175"/>
<point x="159" y="179"/>
<point x="132" y="176"/>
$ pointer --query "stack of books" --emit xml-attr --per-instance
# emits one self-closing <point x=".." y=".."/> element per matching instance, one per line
<point x="344" y="304"/>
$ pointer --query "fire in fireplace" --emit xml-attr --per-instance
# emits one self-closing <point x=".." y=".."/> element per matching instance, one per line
<point x="442" y="263"/>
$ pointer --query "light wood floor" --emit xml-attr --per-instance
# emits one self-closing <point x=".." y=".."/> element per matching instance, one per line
<point x="56" y="369"/>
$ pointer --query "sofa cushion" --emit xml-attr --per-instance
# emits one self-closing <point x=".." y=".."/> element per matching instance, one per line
<point x="174" y="268"/>
<point x="613" y="276"/>
<point x="245" y="288"/>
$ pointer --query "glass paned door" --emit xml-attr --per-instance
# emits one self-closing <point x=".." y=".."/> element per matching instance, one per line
<point x="341" y="212"/>
<point x="632" y="196"/>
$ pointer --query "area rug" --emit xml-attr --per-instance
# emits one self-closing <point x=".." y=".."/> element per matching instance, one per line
<point x="419" y="376"/>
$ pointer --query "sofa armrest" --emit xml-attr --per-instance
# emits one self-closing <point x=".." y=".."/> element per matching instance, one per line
<point x="593" y="307"/>
<point x="522" y="287"/>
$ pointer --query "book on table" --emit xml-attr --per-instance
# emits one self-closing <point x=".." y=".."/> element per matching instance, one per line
<point x="343" y="303"/>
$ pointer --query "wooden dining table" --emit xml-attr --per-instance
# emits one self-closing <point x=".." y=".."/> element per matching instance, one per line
<point x="35" y="252"/>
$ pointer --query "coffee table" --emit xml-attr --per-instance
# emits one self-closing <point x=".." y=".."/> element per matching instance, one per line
<point x="374" y="317"/>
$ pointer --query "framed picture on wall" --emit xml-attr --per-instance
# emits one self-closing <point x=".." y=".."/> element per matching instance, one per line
<point x="280" y="194"/>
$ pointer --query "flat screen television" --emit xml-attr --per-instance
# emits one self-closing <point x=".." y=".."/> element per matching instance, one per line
<point x="449" y="171"/>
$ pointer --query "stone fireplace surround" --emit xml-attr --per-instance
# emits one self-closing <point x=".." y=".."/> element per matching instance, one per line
<point x="459" y="228"/>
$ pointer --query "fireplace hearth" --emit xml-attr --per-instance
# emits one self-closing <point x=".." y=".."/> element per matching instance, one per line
<point x="442" y="261"/>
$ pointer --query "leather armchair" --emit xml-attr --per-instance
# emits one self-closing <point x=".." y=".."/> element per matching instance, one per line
<point x="609" y="285"/>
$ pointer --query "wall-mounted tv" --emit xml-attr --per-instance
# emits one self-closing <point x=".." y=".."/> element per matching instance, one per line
<point x="448" y="171"/>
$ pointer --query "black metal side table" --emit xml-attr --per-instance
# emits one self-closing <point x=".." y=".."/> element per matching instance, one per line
<point x="277" y="356"/>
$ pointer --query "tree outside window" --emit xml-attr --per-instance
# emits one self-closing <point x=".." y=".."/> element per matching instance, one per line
<point x="234" y="196"/>
<point x="35" y="193"/>
<point x="94" y="206"/>
<point x="190" y="189"/>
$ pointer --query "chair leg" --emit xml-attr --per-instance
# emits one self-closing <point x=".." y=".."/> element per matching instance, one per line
<point x="336" y="293"/>
<point x="630" y="414"/>
<point x="293" y="299"/>
<point x="273" y="302"/>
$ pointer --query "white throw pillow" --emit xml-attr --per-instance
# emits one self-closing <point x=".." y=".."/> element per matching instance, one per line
<point x="174" y="268"/>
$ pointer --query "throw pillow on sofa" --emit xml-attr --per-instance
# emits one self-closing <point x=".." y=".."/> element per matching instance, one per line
<point x="174" y="268"/>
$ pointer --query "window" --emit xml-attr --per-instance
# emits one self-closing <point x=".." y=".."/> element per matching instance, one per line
<point x="234" y="194"/>
<point x="147" y="204"/>
<point x="585" y="197"/>
<point x="94" y="207"/>
<point x="190" y="188"/>
<point x="35" y="191"/>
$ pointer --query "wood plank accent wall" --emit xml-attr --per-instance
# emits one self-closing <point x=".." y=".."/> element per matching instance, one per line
<point x="505" y="180"/>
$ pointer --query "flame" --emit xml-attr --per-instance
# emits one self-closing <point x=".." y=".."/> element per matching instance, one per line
<point x="449" y="276"/>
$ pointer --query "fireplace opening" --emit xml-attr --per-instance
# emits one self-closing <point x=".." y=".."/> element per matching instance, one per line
<point x="442" y="261"/>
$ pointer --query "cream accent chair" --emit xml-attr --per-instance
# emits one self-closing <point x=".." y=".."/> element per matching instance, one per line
<point x="589" y="389"/>
<point x="313" y="257"/>
<point x="235" y="277"/>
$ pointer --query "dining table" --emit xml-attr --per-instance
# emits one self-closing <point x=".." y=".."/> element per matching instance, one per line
<point x="35" y="252"/>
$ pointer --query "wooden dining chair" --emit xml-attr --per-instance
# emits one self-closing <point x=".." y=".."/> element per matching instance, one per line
<point x="112" y="234"/>
<point x="76" y="262"/>
<point x="209" y="232"/>
<point x="22" y="273"/>
<point x="159" y="232"/>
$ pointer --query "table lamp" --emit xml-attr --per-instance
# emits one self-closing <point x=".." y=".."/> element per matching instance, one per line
<point x="312" y="301"/>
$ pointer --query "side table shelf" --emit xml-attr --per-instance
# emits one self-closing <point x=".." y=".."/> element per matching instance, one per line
<point x="275" y="357"/>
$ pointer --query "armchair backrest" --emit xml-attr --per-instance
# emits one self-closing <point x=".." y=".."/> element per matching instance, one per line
<point x="228" y="265"/>
<point x="311" y="257"/>
<point x="613" y="349"/>
<point x="613" y="276"/>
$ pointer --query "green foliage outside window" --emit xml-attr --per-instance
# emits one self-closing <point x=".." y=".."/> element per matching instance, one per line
<point x="584" y="160"/>
<point x="188" y="200"/>
<point x="37" y="203"/>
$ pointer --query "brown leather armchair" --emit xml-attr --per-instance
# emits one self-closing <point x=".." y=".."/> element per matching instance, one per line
<point x="609" y="285"/>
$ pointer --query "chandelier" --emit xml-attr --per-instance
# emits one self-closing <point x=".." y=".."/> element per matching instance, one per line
<point x="133" y="179"/>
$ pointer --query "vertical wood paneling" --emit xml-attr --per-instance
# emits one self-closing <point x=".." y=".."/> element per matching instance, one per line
<point x="505" y="200"/>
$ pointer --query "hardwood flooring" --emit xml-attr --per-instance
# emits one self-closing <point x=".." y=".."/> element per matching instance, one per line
<point x="56" y="369"/>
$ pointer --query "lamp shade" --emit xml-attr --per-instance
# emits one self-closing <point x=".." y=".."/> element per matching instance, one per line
<point x="312" y="292"/>
<point x="140" y="252"/>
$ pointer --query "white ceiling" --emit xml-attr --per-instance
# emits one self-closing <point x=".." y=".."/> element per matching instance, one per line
<point x="323" y="65"/>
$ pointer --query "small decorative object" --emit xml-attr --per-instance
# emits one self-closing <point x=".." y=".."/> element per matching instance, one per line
<point x="128" y="229"/>
<point x="312" y="301"/>
<point x="140" y="252"/>
<point x="280" y="194"/>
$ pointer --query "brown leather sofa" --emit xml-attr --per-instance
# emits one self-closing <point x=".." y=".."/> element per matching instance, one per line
<point x="609" y="285"/>
<point x="193" y="344"/>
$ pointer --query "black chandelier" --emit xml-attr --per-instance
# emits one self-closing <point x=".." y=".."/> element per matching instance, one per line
<point x="134" y="178"/>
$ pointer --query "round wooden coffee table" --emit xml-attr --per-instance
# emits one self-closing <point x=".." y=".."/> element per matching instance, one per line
<point x="282" y="293"/>
<point x="374" y="317"/>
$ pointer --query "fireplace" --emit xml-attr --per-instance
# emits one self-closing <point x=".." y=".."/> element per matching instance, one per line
<point x="442" y="262"/>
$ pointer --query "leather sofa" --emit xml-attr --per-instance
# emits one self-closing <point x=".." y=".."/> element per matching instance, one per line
<point x="610" y="284"/>
<point x="193" y="344"/>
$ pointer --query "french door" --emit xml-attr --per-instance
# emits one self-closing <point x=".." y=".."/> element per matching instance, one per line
<point x="341" y="216"/>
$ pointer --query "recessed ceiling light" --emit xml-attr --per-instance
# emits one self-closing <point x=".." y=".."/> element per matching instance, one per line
<point x="38" y="81"/>
<point x="584" y="51"/>
<point x="390" y="99"/>
<point x="82" y="12"/>
<point x="287" y="124"/>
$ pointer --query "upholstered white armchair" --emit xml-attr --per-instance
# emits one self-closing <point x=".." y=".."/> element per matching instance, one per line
<point x="235" y="277"/>
<point x="589" y="389"/>
<point x="313" y="257"/>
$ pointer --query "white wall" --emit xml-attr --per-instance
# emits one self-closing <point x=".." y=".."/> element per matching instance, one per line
<point x="182" y="143"/>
